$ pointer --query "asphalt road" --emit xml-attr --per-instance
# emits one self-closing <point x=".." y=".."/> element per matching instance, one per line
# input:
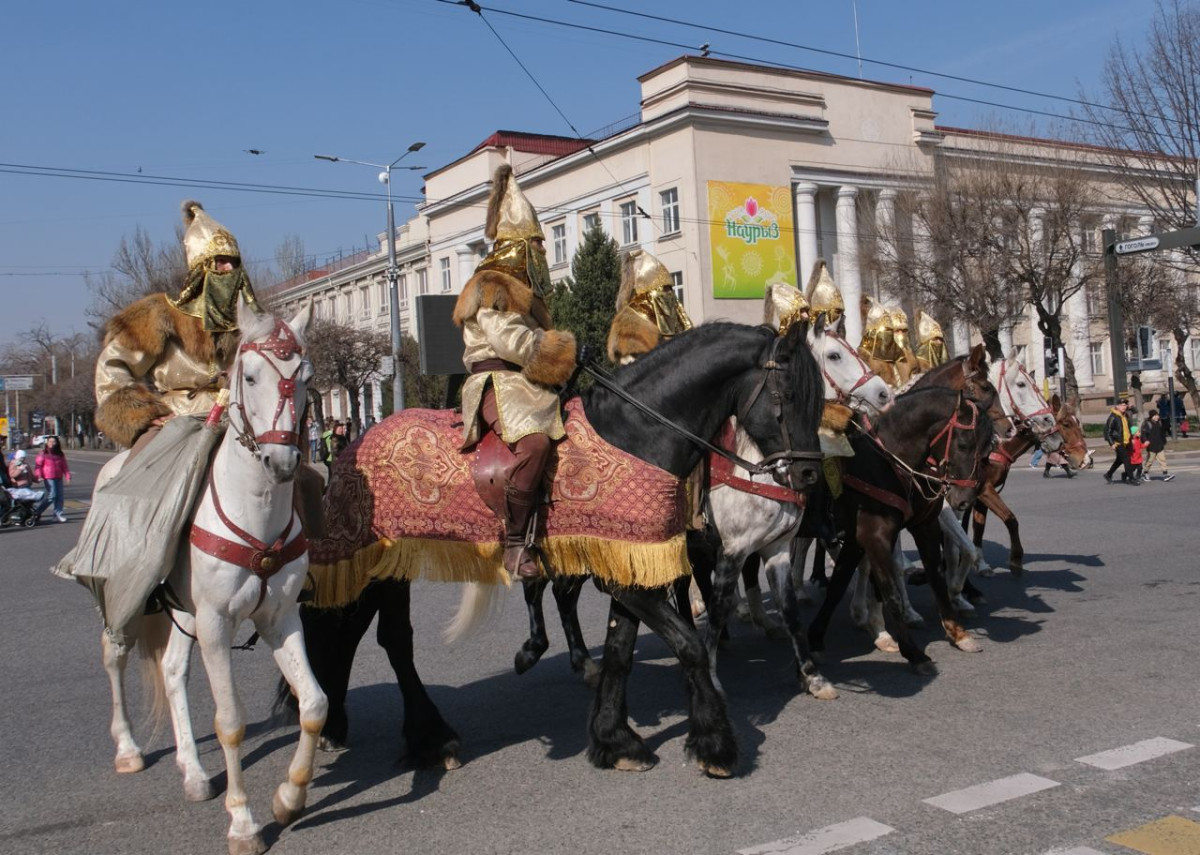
<point x="1093" y="649"/>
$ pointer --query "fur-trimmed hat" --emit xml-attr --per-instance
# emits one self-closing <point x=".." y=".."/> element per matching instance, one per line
<point x="204" y="237"/>
<point x="509" y="215"/>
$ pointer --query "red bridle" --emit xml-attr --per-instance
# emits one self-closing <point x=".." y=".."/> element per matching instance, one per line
<point x="845" y="395"/>
<point x="942" y="466"/>
<point x="1019" y="418"/>
<point x="281" y="344"/>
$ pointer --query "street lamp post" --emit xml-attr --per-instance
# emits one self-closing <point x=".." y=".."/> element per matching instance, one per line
<point x="393" y="272"/>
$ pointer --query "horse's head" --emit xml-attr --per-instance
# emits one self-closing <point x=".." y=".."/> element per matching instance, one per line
<point x="269" y="377"/>
<point x="848" y="379"/>
<point x="779" y="404"/>
<point x="1023" y="402"/>
<point x="1070" y="431"/>
<point x="975" y="384"/>
<point x="965" y="454"/>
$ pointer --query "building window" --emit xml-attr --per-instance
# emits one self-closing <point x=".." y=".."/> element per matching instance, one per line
<point x="364" y="303"/>
<point x="348" y="306"/>
<point x="423" y="281"/>
<point x="1194" y="350"/>
<point x="402" y="290"/>
<point x="591" y="221"/>
<point x="558" y="234"/>
<point x="1096" y="351"/>
<point x="629" y="223"/>
<point x="1091" y="241"/>
<point x="677" y="285"/>
<point x="1095" y="301"/>
<point x="333" y="308"/>
<point x="445" y="267"/>
<point x="669" y="202"/>
<point x="383" y="296"/>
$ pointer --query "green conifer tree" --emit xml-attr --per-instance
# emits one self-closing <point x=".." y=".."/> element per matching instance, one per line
<point x="584" y="303"/>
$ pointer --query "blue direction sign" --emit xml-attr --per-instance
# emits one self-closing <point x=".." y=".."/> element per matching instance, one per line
<point x="16" y="383"/>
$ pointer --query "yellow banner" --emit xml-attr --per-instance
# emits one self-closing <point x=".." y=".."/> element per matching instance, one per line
<point x="753" y="242"/>
<point x="3" y="427"/>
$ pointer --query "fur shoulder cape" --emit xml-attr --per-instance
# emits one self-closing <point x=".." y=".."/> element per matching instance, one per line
<point x="630" y="336"/>
<point x="493" y="289"/>
<point x="149" y="325"/>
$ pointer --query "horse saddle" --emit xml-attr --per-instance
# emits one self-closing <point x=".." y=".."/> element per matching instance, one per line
<point x="491" y="465"/>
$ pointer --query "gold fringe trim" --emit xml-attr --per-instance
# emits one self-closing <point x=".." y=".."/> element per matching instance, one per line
<point x="640" y="565"/>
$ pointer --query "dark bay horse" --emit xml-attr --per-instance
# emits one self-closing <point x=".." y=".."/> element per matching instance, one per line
<point x="1000" y="461"/>
<point x="930" y="445"/>
<point x="696" y="382"/>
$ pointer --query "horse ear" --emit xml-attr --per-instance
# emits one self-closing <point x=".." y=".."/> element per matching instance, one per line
<point x="1055" y="402"/>
<point x="247" y="316"/>
<point x="797" y="334"/>
<point x="300" y="321"/>
<point x="1012" y="354"/>
<point x="818" y="326"/>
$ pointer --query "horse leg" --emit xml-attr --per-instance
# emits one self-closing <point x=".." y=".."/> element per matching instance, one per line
<point x="116" y="657"/>
<point x="710" y="741"/>
<point x="215" y="634"/>
<point x="877" y="536"/>
<point x="566" y="596"/>
<point x="754" y="604"/>
<point x="777" y="563"/>
<point x="176" y="663"/>
<point x="538" y="642"/>
<point x="681" y="592"/>
<point x="866" y="611"/>
<point x="429" y="739"/>
<point x="331" y="637"/>
<point x="898" y="566"/>
<point x="721" y="607"/>
<point x="978" y="521"/>
<point x="612" y="743"/>
<point x="799" y="557"/>
<point x="928" y="535"/>
<point x="843" y="571"/>
<point x="286" y="639"/>
<point x="1016" y="555"/>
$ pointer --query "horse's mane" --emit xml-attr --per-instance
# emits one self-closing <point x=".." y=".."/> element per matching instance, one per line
<point x="258" y="325"/>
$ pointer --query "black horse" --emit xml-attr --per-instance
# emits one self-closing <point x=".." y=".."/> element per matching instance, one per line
<point x="930" y="445"/>
<point x="695" y="382"/>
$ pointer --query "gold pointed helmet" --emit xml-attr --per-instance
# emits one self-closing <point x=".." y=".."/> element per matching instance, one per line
<point x="879" y="338"/>
<point x="647" y="289"/>
<point x="513" y="225"/>
<point x="784" y="306"/>
<point x="823" y="295"/>
<point x="898" y="323"/>
<point x="204" y="238"/>
<point x="927" y="328"/>
<point x="931" y="342"/>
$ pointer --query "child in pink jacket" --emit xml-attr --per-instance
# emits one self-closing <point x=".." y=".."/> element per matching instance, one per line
<point x="51" y="467"/>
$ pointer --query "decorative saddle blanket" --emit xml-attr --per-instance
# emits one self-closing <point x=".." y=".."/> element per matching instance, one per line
<point x="402" y="504"/>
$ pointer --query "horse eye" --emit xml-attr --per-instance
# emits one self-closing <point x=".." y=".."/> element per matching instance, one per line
<point x="835" y="356"/>
<point x="250" y="380"/>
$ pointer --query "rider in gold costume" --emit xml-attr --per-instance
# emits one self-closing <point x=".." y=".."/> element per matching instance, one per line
<point x="885" y="342"/>
<point x="931" y="342"/>
<point x="647" y="310"/>
<point x="515" y="358"/>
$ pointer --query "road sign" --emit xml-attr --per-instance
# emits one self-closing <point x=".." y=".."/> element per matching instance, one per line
<point x="3" y="427"/>
<point x="1144" y="244"/>
<point x="385" y="366"/>
<point x="16" y="383"/>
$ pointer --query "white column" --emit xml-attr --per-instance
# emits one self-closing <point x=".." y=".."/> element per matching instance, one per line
<point x="466" y="264"/>
<point x="962" y="337"/>
<point x="1005" y="334"/>
<point x="806" y="230"/>
<point x="1035" y="356"/>
<point x="848" y="278"/>
<point x="1079" y="340"/>
<point x="885" y="220"/>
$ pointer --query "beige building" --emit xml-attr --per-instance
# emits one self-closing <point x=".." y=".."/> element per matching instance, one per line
<point x="733" y="174"/>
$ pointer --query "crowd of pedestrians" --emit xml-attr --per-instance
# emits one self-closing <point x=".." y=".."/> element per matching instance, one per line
<point x="22" y="479"/>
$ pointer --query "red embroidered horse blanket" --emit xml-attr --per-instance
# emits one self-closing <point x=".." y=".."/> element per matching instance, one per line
<point x="402" y="504"/>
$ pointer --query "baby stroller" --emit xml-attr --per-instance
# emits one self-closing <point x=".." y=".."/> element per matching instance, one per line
<point x="17" y="503"/>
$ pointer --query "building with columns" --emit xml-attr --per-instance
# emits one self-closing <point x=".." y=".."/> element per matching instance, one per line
<point x="734" y="175"/>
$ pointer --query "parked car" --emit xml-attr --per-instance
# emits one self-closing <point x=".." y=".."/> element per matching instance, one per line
<point x="38" y="441"/>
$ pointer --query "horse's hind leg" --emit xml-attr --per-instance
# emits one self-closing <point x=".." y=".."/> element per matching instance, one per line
<point x="843" y="570"/>
<point x="754" y="603"/>
<point x="612" y="743"/>
<point x="215" y="633"/>
<point x="912" y="617"/>
<point x="116" y="657"/>
<point x="538" y="642"/>
<point x="877" y="535"/>
<point x="331" y="637"/>
<point x="866" y="611"/>
<point x="710" y="735"/>
<point x="197" y="785"/>
<point x="777" y="562"/>
<point x="429" y="739"/>
<point x="929" y="541"/>
<point x="566" y="596"/>
<point x="721" y="607"/>
<point x="286" y="639"/>
<point x="978" y="522"/>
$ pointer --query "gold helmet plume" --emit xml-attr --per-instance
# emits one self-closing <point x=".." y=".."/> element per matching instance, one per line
<point x="513" y="225"/>
<point x="784" y="306"/>
<point x="208" y="293"/>
<point x="824" y="298"/>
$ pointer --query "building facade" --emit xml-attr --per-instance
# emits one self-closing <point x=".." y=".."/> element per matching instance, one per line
<point x="733" y="172"/>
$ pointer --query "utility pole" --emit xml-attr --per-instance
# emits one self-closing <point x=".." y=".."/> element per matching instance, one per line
<point x="1116" y="318"/>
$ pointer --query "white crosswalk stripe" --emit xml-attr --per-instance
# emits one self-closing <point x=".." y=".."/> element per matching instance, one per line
<point x="828" y="839"/>
<point x="991" y="793"/>
<point x="1138" y="752"/>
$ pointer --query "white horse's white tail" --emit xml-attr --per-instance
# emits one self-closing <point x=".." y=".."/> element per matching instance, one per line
<point x="479" y="605"/>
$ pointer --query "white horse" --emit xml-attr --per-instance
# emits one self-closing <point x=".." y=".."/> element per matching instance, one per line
<point x="251" y="481"/>
<point x="754" y="524"/>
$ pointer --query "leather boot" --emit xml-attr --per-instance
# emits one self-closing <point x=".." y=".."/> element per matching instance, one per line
<point x="519" y="559"/>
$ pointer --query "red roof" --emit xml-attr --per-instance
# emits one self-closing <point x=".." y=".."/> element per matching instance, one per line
<point x="533" y="143"/>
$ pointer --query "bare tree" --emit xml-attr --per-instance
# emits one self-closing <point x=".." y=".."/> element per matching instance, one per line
<point x="345" y="356"/>
<point x="1147" y="121"/>
<point x="290" y="258"/>
<point x="139" y="268"/>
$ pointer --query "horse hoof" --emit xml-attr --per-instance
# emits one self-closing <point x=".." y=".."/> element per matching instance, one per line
<point x="524" y="660"/>
<point x="716" y="771"/>
<point x="967" y="644"/>
<point x="283" y="814"/>
<point x="743" y="612"/>
<point x="199" y="789"/>
<point x="822" y="691"/>
<point x="926" y="668"/>
<point x="886" y="643"/>
<point x="252" y="844"/>
<point x="331" y="746"/>
<point x="450" y="763"/>
<point x="629" y="764"/>
<point x="591" y="673"/>
<point x="129" y="763"/>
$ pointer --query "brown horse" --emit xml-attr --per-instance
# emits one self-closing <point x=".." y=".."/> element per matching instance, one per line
<point x="969" y="375"/>
<point x="1074" y="448"/>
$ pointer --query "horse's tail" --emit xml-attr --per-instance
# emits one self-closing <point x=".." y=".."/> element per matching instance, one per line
<point x="151" y="640"/>
<point x="479" y="604"/>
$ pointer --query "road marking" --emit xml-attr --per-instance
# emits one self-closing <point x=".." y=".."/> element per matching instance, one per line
<point x="991" y="793"/>
<point x="1076" y="850"/>
<point x="827" y="839"/>
<point x="1138" y="752"/>
<point x="1172" y="835"/>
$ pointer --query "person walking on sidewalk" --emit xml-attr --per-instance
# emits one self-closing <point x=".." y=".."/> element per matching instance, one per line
<point x="1116" y="434"/>
<point x="51" y="466"/>
<point x="1154" y="432"/>
<point x="1137" y="447"/>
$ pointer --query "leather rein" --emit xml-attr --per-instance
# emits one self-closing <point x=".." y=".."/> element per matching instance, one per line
<point x="259" y="557"/>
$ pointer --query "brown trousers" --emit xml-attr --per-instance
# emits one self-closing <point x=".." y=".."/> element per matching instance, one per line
<point x="532" y="451"/>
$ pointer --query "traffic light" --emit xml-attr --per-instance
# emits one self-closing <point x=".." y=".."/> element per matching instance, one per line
<point x="1051" y="363"/>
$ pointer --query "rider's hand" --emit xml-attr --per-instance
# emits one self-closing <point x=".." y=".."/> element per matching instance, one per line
<point x="161" y="420"/>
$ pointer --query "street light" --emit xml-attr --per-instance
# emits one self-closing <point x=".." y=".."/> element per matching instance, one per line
<point x="393" y="273"/>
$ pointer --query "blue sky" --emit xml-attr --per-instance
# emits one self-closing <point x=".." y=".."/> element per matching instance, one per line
<point x="180" y="90"/>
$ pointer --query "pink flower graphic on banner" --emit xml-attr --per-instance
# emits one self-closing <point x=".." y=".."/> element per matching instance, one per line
<point x="751" y="206"/>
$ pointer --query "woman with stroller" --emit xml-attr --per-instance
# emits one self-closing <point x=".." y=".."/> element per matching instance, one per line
<point x="51" y="467"/>
<point x="18" y="470"/>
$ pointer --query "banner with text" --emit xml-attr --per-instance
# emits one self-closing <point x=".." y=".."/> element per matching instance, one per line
<point x="753" y="242"/>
